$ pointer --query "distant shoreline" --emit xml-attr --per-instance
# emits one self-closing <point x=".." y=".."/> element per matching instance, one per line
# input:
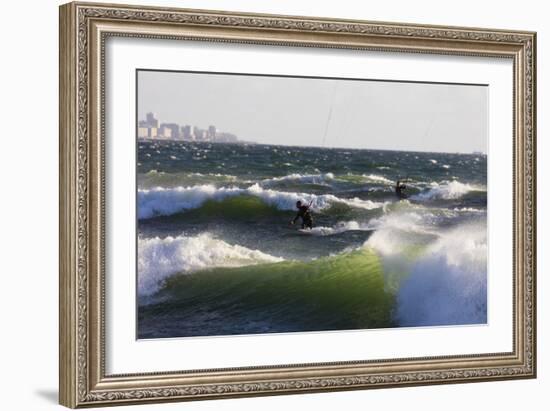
<point x="238" y="142"/>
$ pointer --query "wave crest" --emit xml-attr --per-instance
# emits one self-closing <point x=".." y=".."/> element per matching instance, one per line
<point x="338" y="228"/>
<point x="163" y="202"/>
<point x="298" y="178"/>
<point x="448" y="284"/>
<point x="159" y="258"/>
<point x="448" y="190"/>
<point x="440" y="278"/>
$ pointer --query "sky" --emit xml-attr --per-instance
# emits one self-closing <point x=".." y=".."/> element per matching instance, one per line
<point x="321" y="112"/>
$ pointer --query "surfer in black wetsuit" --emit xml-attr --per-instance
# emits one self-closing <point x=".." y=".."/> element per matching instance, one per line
<point x="400" y="189"/>
<point x="304" y="214"/>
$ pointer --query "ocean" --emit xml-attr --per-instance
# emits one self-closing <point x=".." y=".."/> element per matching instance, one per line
<point x="217" y="254"/>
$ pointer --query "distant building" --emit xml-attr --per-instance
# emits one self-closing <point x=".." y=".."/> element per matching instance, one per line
<point x="150" y="129"/>
<point x="171" y="129"/>
<point x="199" y="133"/>
<point x="185" y="133"/>
<point x="147" y="132"/>
<point x="212" y="133"/>
<point x="151" y="120"/>
<point x="164" y="132"/>
<point x="143" y="132"/>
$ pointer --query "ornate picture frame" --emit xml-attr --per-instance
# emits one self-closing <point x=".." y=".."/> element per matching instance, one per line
<point x="84" y="29"/>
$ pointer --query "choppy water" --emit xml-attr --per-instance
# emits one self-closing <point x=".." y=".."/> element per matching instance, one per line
<point x="217" y="256"/>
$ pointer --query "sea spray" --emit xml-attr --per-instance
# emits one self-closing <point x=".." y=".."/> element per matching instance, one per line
<point x="399" y="238"/>
<point x="448" y="284"/>
<point x="439" y="277"/>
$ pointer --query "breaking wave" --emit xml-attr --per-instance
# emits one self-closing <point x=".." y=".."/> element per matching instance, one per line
<point x="448" y="284"/>
<point x="439" y="278"/>
<point x="377" y="179"/>
<point x="339" y="228"/>
<point x="449" y="190"/>
<point x="160" y="258"/>
<point x="163" y="202"/>
<point x="298" y="178"/>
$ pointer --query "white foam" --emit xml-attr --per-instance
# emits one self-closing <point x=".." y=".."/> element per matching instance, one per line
<point x="398" y="230"/>
<point x="339" y="228"/>
<point x="469" y="210"/>
<point x="299" y="178"/>
<point x="442" y="282"/>
<point x="287" y="200"/>
<point x="166" y="201"/>
<point x="160" y="258"/>
<point x="447" y="190"/>
<point x="357" y="202"/>
<point x="448" y="284"/>
<point x="377" y="179"/>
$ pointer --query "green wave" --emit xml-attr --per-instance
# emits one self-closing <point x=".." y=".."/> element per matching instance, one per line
<point x="243" y="207"/>
<point x="345" y="291"/>
<point x="352" y="178"/>
<point x="251" y="208"/>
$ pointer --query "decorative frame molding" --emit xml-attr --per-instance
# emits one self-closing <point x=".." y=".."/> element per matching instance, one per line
<point x="83" y="30"/>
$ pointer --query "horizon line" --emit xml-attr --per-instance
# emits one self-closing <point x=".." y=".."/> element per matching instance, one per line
<point x="243" y="142"/>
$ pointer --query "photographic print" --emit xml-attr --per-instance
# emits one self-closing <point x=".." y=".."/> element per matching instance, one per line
<point x="276" y="204"/>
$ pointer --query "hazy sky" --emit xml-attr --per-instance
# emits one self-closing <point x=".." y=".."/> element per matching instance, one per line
<point x="322" y="112"/>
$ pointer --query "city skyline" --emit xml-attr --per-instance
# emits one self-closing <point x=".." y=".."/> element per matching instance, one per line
<point x="297" y="111"/>
<point x="151" y="128"/>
